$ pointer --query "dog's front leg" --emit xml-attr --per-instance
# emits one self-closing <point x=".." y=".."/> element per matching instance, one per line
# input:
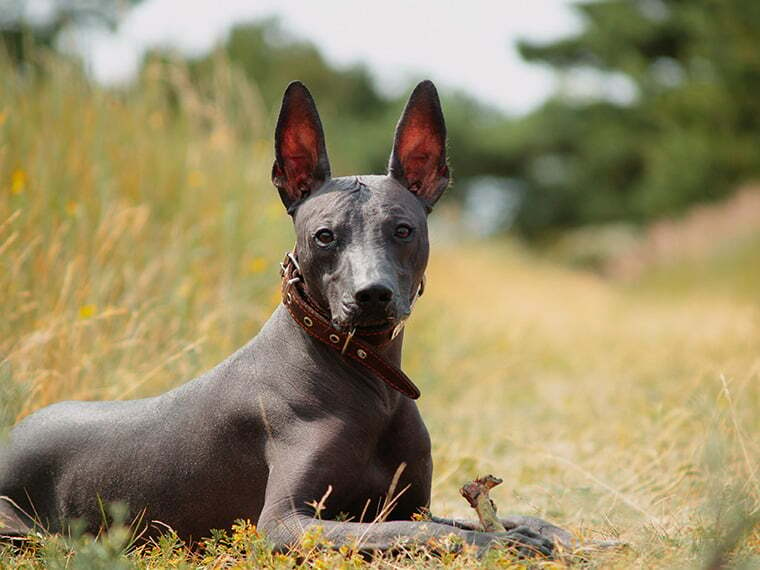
<point x="546" y="529"/>
<point x="286" y="530"/>
<point x="299" y="476"/>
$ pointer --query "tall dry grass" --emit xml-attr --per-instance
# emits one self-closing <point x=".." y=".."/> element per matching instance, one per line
<point x="138" y="233"/>
<point x="139" y="237"/>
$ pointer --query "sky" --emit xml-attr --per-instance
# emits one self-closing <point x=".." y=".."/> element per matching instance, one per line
<point x="469" y="45"/>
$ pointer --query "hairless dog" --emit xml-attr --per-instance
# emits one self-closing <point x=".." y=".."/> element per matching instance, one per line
<point x="315" y="401"/>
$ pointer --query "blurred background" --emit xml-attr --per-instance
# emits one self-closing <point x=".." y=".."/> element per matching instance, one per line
<point x="564" y="117"/>
<point x="606" y="161"/>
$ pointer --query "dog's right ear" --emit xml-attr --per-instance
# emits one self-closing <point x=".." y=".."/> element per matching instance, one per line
<point x="301" y="164"/>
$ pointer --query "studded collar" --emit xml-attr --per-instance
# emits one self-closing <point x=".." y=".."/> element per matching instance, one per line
<point x="356" y="346"/>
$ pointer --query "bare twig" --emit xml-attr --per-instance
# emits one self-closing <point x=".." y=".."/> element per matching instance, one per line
<point x="476" y="493"/>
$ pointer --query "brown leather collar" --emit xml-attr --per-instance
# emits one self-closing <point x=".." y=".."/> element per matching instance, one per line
<point x="357" y="347"/>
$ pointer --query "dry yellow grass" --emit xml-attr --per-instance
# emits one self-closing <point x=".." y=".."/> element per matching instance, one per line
<point x="611" y="410"/>
<point x="139" y="237"/>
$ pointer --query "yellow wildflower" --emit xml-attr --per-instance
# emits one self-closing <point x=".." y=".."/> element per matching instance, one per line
<point x="18" y="181"/>
<point x="87" y="311"/>
<point x="257" y="265"/>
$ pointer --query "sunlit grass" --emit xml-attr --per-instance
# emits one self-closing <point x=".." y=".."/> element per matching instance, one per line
<point x="139" y="241"/>
<point x="604" y="408"/>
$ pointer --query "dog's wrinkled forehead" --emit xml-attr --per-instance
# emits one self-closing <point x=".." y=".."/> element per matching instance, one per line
<point x="363" y="200"/>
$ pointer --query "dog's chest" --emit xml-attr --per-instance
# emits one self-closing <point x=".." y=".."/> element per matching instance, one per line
<point x="370" y="491"/>
<point x="395" y="463"/>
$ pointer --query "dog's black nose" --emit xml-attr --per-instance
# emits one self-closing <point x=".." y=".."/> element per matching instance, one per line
<point x="375" y="295"/>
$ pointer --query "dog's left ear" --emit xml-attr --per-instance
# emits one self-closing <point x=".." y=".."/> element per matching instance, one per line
<point x="418" y="159"/>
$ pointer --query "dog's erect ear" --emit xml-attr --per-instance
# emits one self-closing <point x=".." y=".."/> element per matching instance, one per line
<point x="418" y="159"/>
<point x="301" y="164"/>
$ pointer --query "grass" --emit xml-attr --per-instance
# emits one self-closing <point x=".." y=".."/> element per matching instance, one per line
<point x="139" y="240"/>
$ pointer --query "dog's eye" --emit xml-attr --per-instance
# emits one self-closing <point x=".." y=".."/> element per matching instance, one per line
<point x="403" y="231"/>
<point x="325" y="236"/>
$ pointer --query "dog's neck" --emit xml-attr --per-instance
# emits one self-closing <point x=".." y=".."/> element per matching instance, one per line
<point x="371" y="350"/>
<point x="282" y="331"/>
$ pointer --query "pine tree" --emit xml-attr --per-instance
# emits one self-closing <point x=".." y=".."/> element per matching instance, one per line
<point x="688" y="131"/>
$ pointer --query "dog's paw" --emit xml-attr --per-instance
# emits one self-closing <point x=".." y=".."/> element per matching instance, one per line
<point x="556" y="534"/>
<point x="525" y="542"/>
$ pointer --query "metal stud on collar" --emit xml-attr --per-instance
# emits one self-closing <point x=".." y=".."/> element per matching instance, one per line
<point x="361" y="353"/>
<point x="307" y="321"/>
<point x="402" y="323"/>
<point x="290" y="259"/>
<point x="348" y="339"/>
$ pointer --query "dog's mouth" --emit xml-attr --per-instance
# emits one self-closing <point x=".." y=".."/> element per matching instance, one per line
<point x="350" y="316"/>
<point x="375" y="326"/>
<point x="363" y="326"/>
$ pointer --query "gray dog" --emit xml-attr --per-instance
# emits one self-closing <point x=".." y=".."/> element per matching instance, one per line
<point x="315" y="401"/>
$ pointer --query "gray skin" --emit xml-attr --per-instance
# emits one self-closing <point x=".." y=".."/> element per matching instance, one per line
<point x="283" y="419"/>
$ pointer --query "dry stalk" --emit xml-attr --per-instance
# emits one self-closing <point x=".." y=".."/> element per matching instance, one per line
<point x="476" y="493"/>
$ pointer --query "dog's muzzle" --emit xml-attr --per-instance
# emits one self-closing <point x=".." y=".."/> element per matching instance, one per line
<point x="358" y="345"/>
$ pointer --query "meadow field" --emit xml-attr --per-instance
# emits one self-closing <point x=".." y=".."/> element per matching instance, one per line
<point x="139" y="246"/>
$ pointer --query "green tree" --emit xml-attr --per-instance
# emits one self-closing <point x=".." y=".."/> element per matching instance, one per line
<point x="357" y="117"/>
<point x="690" y="133"/>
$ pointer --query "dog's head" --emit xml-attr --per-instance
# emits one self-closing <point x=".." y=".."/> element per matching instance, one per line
<point x="362" y="241"/>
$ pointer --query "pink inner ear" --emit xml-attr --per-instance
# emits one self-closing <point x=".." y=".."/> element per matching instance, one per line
<point x="419" y="149"/>
<point x="299" y="153"/>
